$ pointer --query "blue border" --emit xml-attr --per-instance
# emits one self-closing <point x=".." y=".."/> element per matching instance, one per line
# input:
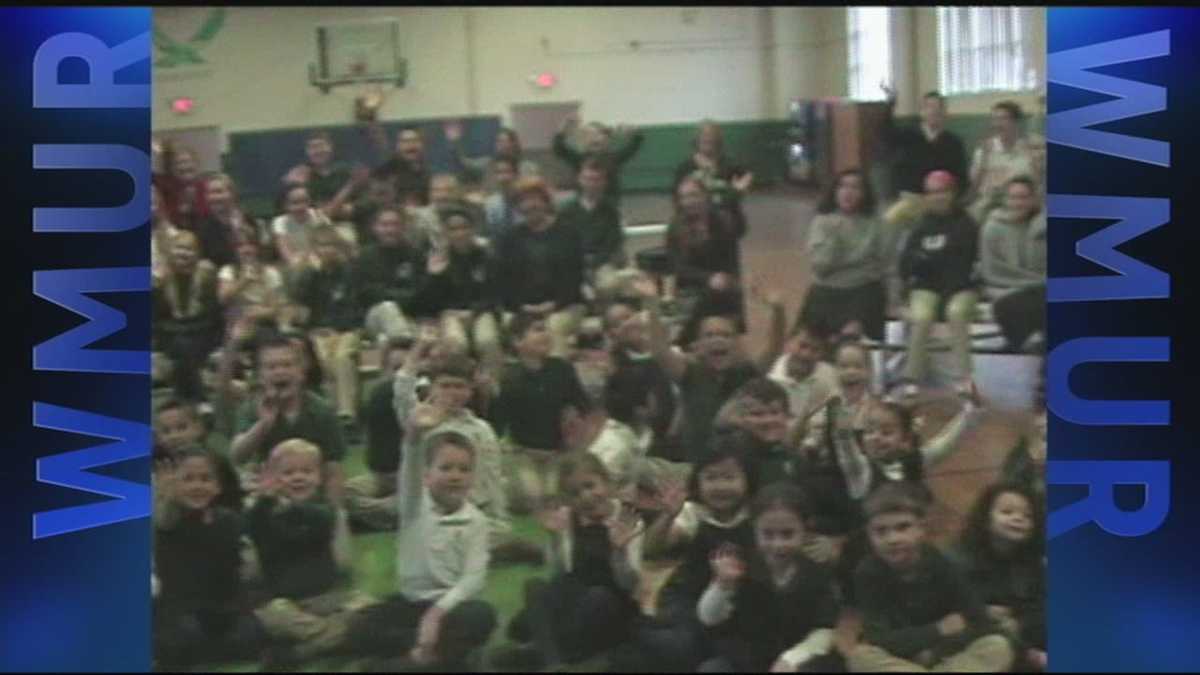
<point x="78" y="600"/>
<point x="1123" y="590"/>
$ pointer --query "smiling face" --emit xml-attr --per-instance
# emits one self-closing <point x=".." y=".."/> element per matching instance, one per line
<point x="197" y="483"/>
<point x="722" y="486"/>
<point x="410" y="146"/>
<point x="443" y="188"/>
<point x="319" y="151"/>
<point x="1011" y="518"/>
<point x="247" y="251"/>
<point x="298" y="473"/>
<point x="627" y="328"/>
<point x="767" y="422"/>
<point x="185" y="253"/>
<point x="185" y="165"/>
<point x="885" y="439"/>
<point x="853" y="367"/>
<point x="588" y="493"/>
<point x="449" y="476"/>
<point x="939" y="197"/>
<point x="327" y="249"/>
<point x="219" y="196"/>
<point x="297" y="202"/>
<point x="779" y="533"/>
<point x="592" y="181"/>
<point x="177" y="428"/>
<point x="896" y="538"/>
<point x="280" y="370"/>
<point x="717" y="342"/>
<point x="505" y="175"/>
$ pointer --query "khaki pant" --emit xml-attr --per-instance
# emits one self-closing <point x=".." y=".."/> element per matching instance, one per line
<point x="371" y="500"/>
<point x="990" y="654"/>
<point x="923" y="312"/>
<point x="483" y="331"/>
<point x="337" y="352"/>
<point x="317" y="625"/>
<point x="562" y="326"/>
<point x="531" y="479"/>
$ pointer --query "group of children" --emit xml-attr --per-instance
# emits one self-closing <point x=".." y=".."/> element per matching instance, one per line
<point x="790" y="497"/>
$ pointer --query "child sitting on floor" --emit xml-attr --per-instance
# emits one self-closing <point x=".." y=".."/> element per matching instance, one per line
<point x="303" y="545"/>
<point x="919" y="612"/>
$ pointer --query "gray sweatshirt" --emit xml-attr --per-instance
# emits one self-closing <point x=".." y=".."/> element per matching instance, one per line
<point x="1012" y="255"/>
<point x="849" y="251"/>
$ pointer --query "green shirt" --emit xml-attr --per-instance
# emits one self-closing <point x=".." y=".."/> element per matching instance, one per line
<point x="316" y="423"/>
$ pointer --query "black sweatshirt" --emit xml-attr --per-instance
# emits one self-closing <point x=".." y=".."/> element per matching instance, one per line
<point x="940" y="253"/>
<point x="693" y="263"/>
<point x="295" y="547"/>
<point x="465" y="284"/>
<point x="901" y="617"/>
<point x="531" y="403"/>
<point x="382" y="273"/>
<point x="914" y="156"/>
<point x="533" y="268"/>
<point x="199" y="563"/>
<point x="328" y="294"/>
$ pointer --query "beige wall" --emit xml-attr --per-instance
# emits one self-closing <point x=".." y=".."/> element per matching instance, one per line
<point x="639" y="65"/>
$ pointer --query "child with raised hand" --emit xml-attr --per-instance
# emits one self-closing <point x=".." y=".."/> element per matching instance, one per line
<point x="1002" y="552"/>
<point x="442" y="555"/>
<point x="200" y="611"/>
<point x="249" y="287"/>
<point x="919" y="611"/>
<point x="452" y="386"/>
<point x="759" y="409"/>
<point x="303" y="545"/>
<point x="775" y="608"/>
<point x="596" y="558"/>
<point x="712" y="513"/>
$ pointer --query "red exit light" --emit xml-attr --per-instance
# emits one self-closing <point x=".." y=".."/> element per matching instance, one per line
<point x="183" y="105"/>
<point x="546" y="80"/>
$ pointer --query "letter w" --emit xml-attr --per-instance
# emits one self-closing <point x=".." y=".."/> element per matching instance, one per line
<point x="1071" y="68"/>
<point x="70" y="469"/>
<point x="1134" y="280"/>
<point x="66" y="288"/>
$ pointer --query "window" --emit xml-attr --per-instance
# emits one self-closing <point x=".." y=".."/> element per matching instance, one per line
<point x="984" y="49"/>
<point x="869" y="53"/>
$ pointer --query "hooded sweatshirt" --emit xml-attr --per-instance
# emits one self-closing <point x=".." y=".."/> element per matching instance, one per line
<point x="1012" y="253"/>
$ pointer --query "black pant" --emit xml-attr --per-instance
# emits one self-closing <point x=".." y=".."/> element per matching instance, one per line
<point x="1020" y="314"/>
<point x="184" y="639"/>
<point x="390" y="628"/>
<point x="827" y="310"/>
<point x="572" y="622"/>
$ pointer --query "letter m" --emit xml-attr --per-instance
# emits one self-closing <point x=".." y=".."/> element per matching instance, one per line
<point x="1135" y="280"/>
<point x="1071" y="68"/>
<point x="66" y="288"/>
<point x="71" y="469"/>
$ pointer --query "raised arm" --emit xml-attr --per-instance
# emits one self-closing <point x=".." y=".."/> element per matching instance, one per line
<point x="674" y="363"/>
<point x="942" y="445"/>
